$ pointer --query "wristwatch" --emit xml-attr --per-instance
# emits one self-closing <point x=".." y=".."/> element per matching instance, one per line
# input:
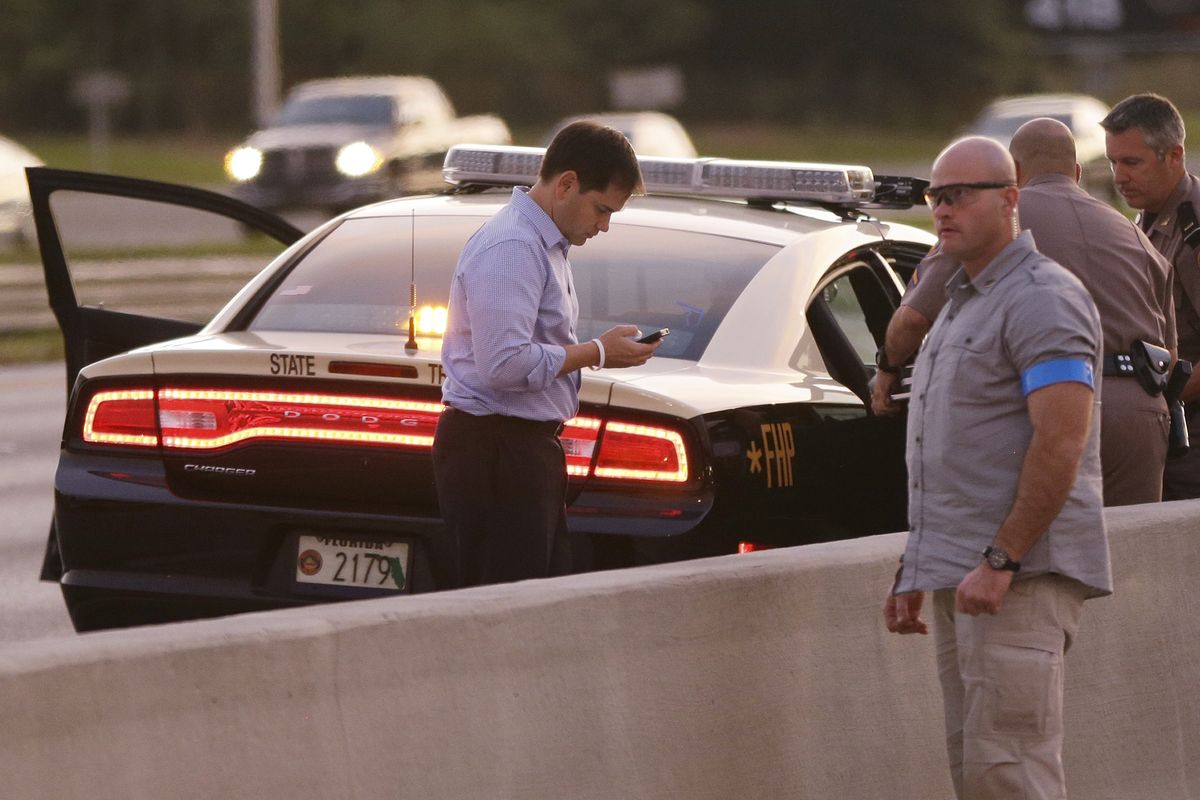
<point x="882" y="364"/>
<point x="997" y="558"/>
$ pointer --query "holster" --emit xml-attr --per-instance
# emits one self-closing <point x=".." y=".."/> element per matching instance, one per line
<point x="1177" y="442"/>
<point x="1151" y="366"/>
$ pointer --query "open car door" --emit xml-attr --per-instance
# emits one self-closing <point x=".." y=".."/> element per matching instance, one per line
<point x="847" y="316"/>
<point x="132" y="262"/>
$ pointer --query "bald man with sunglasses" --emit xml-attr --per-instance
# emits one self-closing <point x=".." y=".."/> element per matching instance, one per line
<point x="1005" y="507"/>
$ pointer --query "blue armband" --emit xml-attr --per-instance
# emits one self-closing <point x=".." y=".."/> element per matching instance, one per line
<point x="1060" y="370"/>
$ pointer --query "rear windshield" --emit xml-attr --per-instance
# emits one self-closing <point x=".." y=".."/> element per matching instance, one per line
<point x="356" y="280"/>
<point x="366" y="109"/>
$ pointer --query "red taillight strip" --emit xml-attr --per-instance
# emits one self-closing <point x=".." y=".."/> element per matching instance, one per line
<point x="300" y="399"/>
<point x="90" y="434"/>
<point x="677" y="475"/>
<point x="172" y="418"/>
<point x="306" y="433"/>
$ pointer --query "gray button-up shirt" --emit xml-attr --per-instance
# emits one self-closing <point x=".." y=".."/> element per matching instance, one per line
<point x="969" y="426"/>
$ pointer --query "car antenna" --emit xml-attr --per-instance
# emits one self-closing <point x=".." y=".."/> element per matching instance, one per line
<point x="410" y="346"/>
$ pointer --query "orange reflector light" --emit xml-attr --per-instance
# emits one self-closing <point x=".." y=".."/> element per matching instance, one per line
<point x="751" y="547"/>
<point x="121" y="417"/>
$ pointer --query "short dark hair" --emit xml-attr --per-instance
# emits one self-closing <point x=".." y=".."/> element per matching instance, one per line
<point x="599" y="155"/>
<point x="1154" y="115"/>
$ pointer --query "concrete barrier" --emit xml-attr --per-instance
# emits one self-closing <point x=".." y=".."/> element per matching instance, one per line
<point x="758" y="676"/>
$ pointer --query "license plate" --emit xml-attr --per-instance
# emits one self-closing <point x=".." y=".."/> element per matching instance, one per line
<point x="350" y="561"/>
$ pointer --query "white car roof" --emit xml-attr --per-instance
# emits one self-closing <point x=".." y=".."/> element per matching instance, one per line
<point x="747" y="362"/>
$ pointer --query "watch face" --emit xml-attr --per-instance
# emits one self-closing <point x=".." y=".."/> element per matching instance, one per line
<point x="997" y="558"/>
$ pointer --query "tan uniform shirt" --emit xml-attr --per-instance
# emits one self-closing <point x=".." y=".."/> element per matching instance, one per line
<point x="1022" y="318"/>
<point x="1167" y="237"/>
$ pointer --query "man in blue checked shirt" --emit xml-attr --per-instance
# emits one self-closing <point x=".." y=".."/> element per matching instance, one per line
<point x="512" y="363"/>
<point x="1005" y="499"/>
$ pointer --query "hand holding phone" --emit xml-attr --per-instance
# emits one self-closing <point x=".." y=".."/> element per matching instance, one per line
<point x="651" y="338"/>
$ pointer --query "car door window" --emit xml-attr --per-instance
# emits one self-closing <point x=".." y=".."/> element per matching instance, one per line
<point x="847" y="317"/>
<point x="152" y="259"/>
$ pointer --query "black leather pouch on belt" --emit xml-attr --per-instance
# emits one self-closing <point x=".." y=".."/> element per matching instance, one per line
<point x="1151" y="366"/>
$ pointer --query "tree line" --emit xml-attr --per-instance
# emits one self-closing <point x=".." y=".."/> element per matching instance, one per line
<point x="188" y="62"/>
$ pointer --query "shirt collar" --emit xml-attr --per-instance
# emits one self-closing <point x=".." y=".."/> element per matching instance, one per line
<point x="545" y="227"/>
<point x="1166" y="217"/>
<point x="1049" y="177"/>
<point x="998" y="269"/>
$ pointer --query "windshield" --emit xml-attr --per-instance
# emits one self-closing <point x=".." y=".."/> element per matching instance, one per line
<point x="356" y="279"/>
<point x="366" y="109"/>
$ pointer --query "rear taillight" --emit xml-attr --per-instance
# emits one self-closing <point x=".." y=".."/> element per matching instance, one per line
<point x="578" y="437"/>
<point x="628" y="452"/>
<point x="210" y="419"/>
<point x="123" y="417"/>
<point x="641" y="453"/>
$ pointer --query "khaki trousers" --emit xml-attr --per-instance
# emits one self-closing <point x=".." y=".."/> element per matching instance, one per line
<point x="1002" y="689"/>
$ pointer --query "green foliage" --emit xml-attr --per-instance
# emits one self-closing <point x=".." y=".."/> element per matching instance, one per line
<point x="531" y="61"/>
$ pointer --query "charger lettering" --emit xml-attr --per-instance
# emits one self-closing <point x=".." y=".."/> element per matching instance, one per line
<point x="779" y="448"/>
<point x="289" y="364"/>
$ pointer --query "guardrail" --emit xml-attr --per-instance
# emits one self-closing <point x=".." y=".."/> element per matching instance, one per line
<point x="192" y="289"/>
<point x="763" y="675"/>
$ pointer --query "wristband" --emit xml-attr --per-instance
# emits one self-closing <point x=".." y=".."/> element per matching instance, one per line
<point x="599" y="346"/>
<point x="881" y="362"/>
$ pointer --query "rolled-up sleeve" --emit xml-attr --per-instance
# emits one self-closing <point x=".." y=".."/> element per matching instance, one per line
<point x="504" y="290"/>
<point x="1054" y="325"/>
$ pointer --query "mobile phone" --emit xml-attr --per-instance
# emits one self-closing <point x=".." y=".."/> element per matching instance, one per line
<point x="651" y="338"/>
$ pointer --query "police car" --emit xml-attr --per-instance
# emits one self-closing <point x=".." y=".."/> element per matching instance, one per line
<point x="279" y="455"/>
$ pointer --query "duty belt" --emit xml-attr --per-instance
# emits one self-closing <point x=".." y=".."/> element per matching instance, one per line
<point x="1118" y="365"/>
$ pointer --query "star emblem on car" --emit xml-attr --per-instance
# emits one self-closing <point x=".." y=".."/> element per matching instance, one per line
<point x="754" y="455"/>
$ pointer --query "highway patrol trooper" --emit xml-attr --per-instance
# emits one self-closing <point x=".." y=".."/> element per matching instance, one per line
<point x="1144" y="143"/>
<point x="1130" y="283"/>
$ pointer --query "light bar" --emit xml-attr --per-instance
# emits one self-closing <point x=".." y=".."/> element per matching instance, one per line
<point x="496" y="165"/>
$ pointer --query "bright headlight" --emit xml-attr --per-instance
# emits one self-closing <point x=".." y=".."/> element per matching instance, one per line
<point x="243" y="163"/>
<point x="357" y="159"/>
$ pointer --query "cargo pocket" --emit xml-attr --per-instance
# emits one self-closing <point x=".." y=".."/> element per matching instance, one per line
<point x="1021" y="694"/>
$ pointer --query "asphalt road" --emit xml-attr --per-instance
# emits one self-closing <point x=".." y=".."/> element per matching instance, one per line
<point x="32" y="403"/>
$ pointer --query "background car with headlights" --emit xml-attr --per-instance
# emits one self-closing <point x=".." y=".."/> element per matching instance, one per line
<point x="280" y="454"/>
<point x="343" y="142"/>
<point x="652" y="133"/>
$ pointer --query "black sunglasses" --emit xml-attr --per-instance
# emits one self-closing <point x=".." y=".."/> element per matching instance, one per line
<point x="954" y="193"/>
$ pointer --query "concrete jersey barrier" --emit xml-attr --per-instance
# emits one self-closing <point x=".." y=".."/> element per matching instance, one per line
<point x="758" y="676"/>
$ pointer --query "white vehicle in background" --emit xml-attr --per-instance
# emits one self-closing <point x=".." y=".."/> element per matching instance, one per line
<point x="16" y="222"/>
<point x="651" y="133"/>
<point x="345" y="142"/>
<point x="1079" y="112"/>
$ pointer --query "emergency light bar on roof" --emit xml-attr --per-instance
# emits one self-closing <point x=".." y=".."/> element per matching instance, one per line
<point x="838" y="184"/>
